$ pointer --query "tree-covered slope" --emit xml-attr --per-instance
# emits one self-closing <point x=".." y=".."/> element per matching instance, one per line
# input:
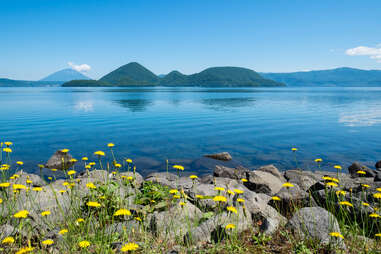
<point x="334" y="77"/>
<point x="131" y="74"/>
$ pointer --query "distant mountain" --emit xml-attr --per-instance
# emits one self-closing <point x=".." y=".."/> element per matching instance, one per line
<point x="134" y="74"/>
<point x="335" y="77"/>
<point x="4" y="82"/>
<point x="65" y="75"/>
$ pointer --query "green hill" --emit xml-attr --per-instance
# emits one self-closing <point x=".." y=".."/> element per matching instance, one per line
<point x="335" y="77"/>
<point x="132" y="74"/>
<point x="4" y="82"/>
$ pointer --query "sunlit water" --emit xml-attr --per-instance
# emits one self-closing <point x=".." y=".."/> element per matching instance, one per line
<point x="256" y="126"/>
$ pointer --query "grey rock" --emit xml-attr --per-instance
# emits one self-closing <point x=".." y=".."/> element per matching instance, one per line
<point x="36" y="180"/>
<point x="224" y="156"/>
<point x="175" y="222"/>
<point x="214" y="228"/>
<point x="316" y="223"/>
<point x="123" y="227"/>
<point x="168" y="176"/>
<point x="60" y="161"/>
<point x="378" y="165"/>
<point x="304" y="179"/>
<point x="377" y="178"/>
<point x="205" y="164"/>
<point x="272" y="170"/>
<point x="138" y="179"/>
<point x="356" y="166"/>
<point x="233" y="173"/>
<point x="7" y="230"/>
<point x="263" y="182"/>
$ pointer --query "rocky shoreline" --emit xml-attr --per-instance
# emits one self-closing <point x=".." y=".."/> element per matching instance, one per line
<point x="261" y="197"/>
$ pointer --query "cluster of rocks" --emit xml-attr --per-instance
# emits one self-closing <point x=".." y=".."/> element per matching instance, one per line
<point x="189" y="222"/>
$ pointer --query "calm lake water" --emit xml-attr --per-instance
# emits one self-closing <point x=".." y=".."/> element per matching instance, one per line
<point x="257" y="126"/>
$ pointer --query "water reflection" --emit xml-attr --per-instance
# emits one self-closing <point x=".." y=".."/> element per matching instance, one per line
<point x="135" y="105"/>
<point x="361" y="118"/>
<point x="224" y="104"/>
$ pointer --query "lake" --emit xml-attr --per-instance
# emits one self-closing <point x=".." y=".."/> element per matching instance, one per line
<point x="257" y="126"/>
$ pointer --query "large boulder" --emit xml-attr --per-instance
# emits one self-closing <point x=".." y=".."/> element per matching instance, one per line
<point x="213" y="229"/>
<point x="378" y="165"/>
<point x="233" y="173"/>
<point x="263" y="182"/>
<point x="356" y="166"/>
<point x="163" y="178"/>
<point x="24" y="178"/>
<point x="60" y="160"/>
<point x="377" y="178"/>
<point x="224" y="156"/>
<point x="176" y="221"/>
<point x="304" y="179"/>
<point x="272" y="170"/>
<point x="316" y="223"/>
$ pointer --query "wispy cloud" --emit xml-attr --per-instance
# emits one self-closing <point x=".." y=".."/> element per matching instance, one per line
<point x="79" y="67"/>
<point x="373" y="53"/>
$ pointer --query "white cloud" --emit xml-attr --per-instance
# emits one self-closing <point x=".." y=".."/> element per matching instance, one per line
<point x="373" y="53"/>
<point x="80" y="67"/>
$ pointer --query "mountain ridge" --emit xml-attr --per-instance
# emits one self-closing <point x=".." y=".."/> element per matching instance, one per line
<point x="65" y="75"/>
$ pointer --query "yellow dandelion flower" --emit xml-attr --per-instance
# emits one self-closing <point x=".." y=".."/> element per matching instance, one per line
<point x="129" y="161"/>
<point x="122" y="212"/>
<point x="138" y="219"/>
<point x="318" y="160"/>
<point x="91" y="186"/>
<point x="219" y="199"/>
<point x="110" y="145"/>
<point x="24" y="250"/>
<point x="294" y="149"/>
<point x="374" y="215"/>
<point x="182" y="204"/>
<point x="193" y="177"/>
<point x="366" y="186"/>
<point x="65" y="150"/>
<point x="93" y="204"/>
<point x="337" y="167"/>
<point x="84" y="244"/>
<point x="8" y="143"/>
<point x="244" y="180"/>
<point x="54" y="169"/>
<point x="331" y="184"/>
<point x="341" y="192"/>
<point x="20" y="163"/>
<point x="377" y="195"/>
<point x="1" y="200"/>
<point x="176" y="196"/>
<point x="199" y="196"/>
<point x="8" y="240"/>
<point x="230" y="192"/>
<point x="18" y="187"/>
<point x="275" y="198"/>
<point x="37" y="188"/>
<point x="7" y="150"/>
<point x="336" y="234"/>
<point x="240" y="200"/>
<point x="85" y="158"/>
<point x="79" y="220"/>
<point x="232" y="209"/>
<point x="87" y="166"/>
<point x="327" y="178"/>
<point x="99" y="153"/>
<point x="173" y="191"/>
<point x="5" y="185"/>
<point x="238" y="191"/>
<point x="378" y="235"/>
<point x="178" y="167"/>
<point x="365" y="204"/>
<point x="219" y="188"/>
<point x="91" y="163"/>
<point x="21" y="214"/>
<point x="47" y="242"/>
<point x="335" y="180"/>
<point x="45" y="213"/>
<point x="230" y="226"/>
<point x="63" y="231"/>
<point x="62" y="191"/>
<point x="346" y="203"/>
<point x="129" y="247"/>
<point x="288" y="185"/>
<point x="71" y="172"/>
<point x="130" y="178"/>
<point x="361" y="172"/>
<point x="28" y="181"/>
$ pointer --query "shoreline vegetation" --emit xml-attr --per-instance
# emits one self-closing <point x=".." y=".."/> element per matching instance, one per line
<point x="103" y="205"/>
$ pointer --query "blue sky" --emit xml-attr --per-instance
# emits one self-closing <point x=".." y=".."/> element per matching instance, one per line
<point x="40" y="37"/>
